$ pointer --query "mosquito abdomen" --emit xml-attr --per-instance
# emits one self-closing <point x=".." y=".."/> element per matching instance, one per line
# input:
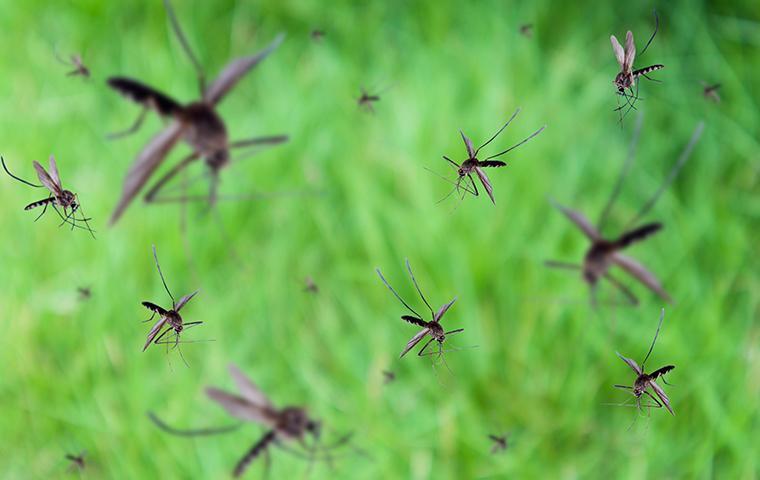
<point x="145" y="95"/>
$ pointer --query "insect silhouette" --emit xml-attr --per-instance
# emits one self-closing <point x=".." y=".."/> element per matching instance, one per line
<point x="605" y="252"/>
<point x="626" y="81"/>
<point x="75" y="61"/>
<point x="367" y="100"/>
<point x="710" y="92"/>
<point x="432" y="328"/>
<point x="645" y="381"/>
<point x="58" y="196"/>
<point x="284" y="426"/>
<point x="500" y="443"/>
<point x="317" y="35"/>
<point x="388" y="376"/>
<point x="197" y="123"/>
<point x="473" y="165"/>
<point x="171" y="319"/>
<point x="310" y="286"/>
<point x="526" y="30"/>
<point x="77" y="461"/>
<point x="85" y="293"/>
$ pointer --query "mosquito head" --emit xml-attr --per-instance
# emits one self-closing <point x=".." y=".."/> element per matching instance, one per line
<point x="218" y="159"/>
<point x="294" y="422"/>
<point x="314" y="427"/>
<point x="436" y="331"/>
<point x="69" y="199"/>
<point x="590" y="276"/>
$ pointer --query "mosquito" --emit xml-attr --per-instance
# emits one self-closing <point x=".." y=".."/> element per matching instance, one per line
<point x="526" y="30"/>
<point x="75" y="61"/>
<point x="287" y="425"/>
<point x="317" y="35"/>
<point x="197" y="123"/>
<point x="432" y="328"/>
<point x="388" y="376"/>
<point x="645" y="381"/>
<point x="310" y="286"/>
<point x="168" y="318"/>
<point x="626" y="80"/>
<point x="710" y="92"/>
<point x="605" y="252"/>
<point x="473" y="164"/>
<point x="77" y="461"/>
<point x="500" y="443"/>
<point x="85" y="293"/>
<point x="58" y="197"/>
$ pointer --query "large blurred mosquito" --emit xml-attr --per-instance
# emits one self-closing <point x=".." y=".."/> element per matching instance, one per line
<point x="77" y="461"/>
<point x="58" y="197"/>
<point x="432" y="328"/>
<point x="197" y="123"/>
<point x="168" y="318"/>
<point x="284" y="426"/>
<point x="626" y="80"/>
<point x="473" y="164"/>
<point x="645" y="381"/>
<point x="710" y="91"/>
<point x="75" y="62"/>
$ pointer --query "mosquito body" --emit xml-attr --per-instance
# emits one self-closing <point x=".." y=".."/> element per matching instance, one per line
<point x="58" y="196"/>
<point x="317" y="35"/>
<point x="500" y="443"/>
<point x="647" y="381"/>
<point x="526" y="30"/>
<point x="388" y="376"/>
<point x="310" y="286"/>
<point x="603" y="253"/>
<point x="171" y="319"/>
<point x="84" y="293"/>
<point x="79" y="68"/>
<point x="197" y="123"/>
<point x="77" y="461"/>
<point x="432" y="328"/>
<point x="710" y="92"/>
<point x="366" y="101"/>
<point x="473" y="165"/>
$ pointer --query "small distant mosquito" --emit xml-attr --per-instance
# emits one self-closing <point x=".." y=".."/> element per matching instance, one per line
<point x="75" y="61"/>
<point x="84" y="293"/>
<point x="59" y="197"/>
<point x="317" y="35"/>
<point x="626" y="80"/>
<point x="473" y="164"/>
<point x="168" y="318"/>
<point x="710" y="92"/>
<point x="603" y="252"/>
<point x="366" y="101"/>
<point x="77" y="461"/>
<point x="432" y="328"/>
<point x="527" y="30"/>
<point x="645" y="381"/>
<point x="197" y="123"/>
<point x="286" y="425"/>
<point x="500" y="443"/>
<point x="389" y="376"/>
<point x="310" y="286"/>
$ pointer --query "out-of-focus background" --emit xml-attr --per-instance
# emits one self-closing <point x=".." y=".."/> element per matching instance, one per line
<point x="352" y="193"/>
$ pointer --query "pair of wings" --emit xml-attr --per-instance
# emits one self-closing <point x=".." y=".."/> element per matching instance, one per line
<point x="422" y="333"/>
<point x="251" y="405"/>
<point x="652" y="377"/>
<point x="634" y="268"/>
<point x="154" y="153"/>
<point x="51" y="181"/>
<point x="471" y="152"/>
<point x="624" y="58"/>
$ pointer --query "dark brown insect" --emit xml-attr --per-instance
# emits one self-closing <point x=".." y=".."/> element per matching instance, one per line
<point x="84" y="293"/>
<point x="432" y="328"/>
<point x="286" y="425"/>
<point x="710" y="92"/>
<point x="168" y="318"/>
<point x="317" y="35"/>
<point x="500" y="443"/>
<point x="473" y="164"/>
<point x="626" y="80"/>
<point x="58" y="197"/>
<point x="310" y="286"/>
<point x="645" y="381"/>
<point x="77" y="461"/>
<point x="366" y="101"/>
<point x="389" y="376"/>
<point x="197" y="123"/>
<point x="606" y="252"/>
<point x="75" y="61"/>
<point x="526" y="30"/>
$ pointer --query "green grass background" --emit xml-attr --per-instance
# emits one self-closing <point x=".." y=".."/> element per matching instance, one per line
<point x="72" y="376"/>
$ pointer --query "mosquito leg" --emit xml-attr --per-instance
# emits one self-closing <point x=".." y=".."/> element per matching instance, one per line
<point x="44" y="209"/>
<point x="420" y="354"/>
<point x="623" y="289"/>
<point x="190" y="433"/>
<point x="474" y="185"/>
<point x="626" y="387"/>
<point x="151" y="195"/>
<point x="132" y="129"/>
<point x="156" y="341"/>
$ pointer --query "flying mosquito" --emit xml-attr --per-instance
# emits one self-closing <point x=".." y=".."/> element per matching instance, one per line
<point x="626" y="81"/>
<point x="75" y="61"/>
<point x="432" y="328"/>
<point x="500" y="443"/>
<point x="310" y="286"/>
<point x="388" y="376"/>
<point x="168" y="318"/>
<point x="197" y="123"/>
<point x="317" y="35"/>
<point x="77" y="461"/>
<point x="58" y="197"/>
<point x="284" y="426"/>
<point x="606" y="252"/>
<point x="526" y="30"/>
<point x="645" y="381"/>
<point x="473" y="164"/>
<point x="85" y="293"/>
<point x="366" y="100"/>
<point x="710" y="92"/>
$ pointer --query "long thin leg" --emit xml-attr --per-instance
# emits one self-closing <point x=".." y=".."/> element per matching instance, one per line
<point x="256" y="141"/>
<point x="186" y="48"/>
<point x="190" y="433"/>
<point x="132" y="129"/>
<point x="420" y="354"/>
<point x="625" y="290"/>
<point x="2" y="160"/>
<point x="151" y="195"/>
<point x="414" y="280"/>
<point x="44" y="209"/>
<point x="562" y="265"/>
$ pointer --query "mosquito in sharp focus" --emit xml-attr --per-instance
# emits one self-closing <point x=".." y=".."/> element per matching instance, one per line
<point x="287" y="425"/>
<point x="710" y="91"/>
<point x="168" y="318"/>
<point x="432" y="328"/>
<point x="197" y="123"/>
<point x="75" y="61"/>
<point x="58" y="197"/>
<point x="605" y="252"/>
<point x="645" y="381"/>
<point x="473" y="164"/>
<point x="626" y="81"/>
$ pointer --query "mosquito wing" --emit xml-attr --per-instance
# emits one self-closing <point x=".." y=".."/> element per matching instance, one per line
<point x="235" y="70"/>
<point x="631" y="363"/>
<point x="414" y="341"/>
<point x="241" y="408"/>
<point x="630" y="52"/>
<point x="249" y="390"/>
<point x="154" y="331"/>
<point x="661" y="394"/>
<point x="46" y="180"/>
<point x="442" y="311"/>
<point x="640" y="273"/>
<point x="618" y="49"/>
<point x="486" y="183"/>
<point x="580" y="221"/>
<point x="468" y="145"/>
<point x="147" y="162"/>
<point x="54" y="173"/>
<point x="184" y="300"/>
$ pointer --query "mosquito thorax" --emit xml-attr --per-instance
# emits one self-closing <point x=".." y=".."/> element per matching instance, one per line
<point x="219" y="159"/>
<point x="294" y="421"/>
<point x="436" y="331"/>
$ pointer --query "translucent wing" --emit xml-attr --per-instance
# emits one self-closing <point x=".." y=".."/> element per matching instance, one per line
<point x="640" y="273"/>
<point x="631" y="363"/>
<point x="630" y="51"/>
<point x="486" y="183"/>
<point x="235" y="70"/>
<point x="618" y="49"/>
<point x="414" y="341"/>
<point x="147" y="162"/>
<point x="54" y="172"/>
<point x="45" y="179"/>
<point x="580" y="221"/>
<point x="184" y="300"/>
<point x="240" y="407"/>
<point x="154" y="331"/>
<point x="442" y="311"/>
<point x="468" y="145"/>
<point x="661" y="393"/>
<point x="248" y="389"/>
